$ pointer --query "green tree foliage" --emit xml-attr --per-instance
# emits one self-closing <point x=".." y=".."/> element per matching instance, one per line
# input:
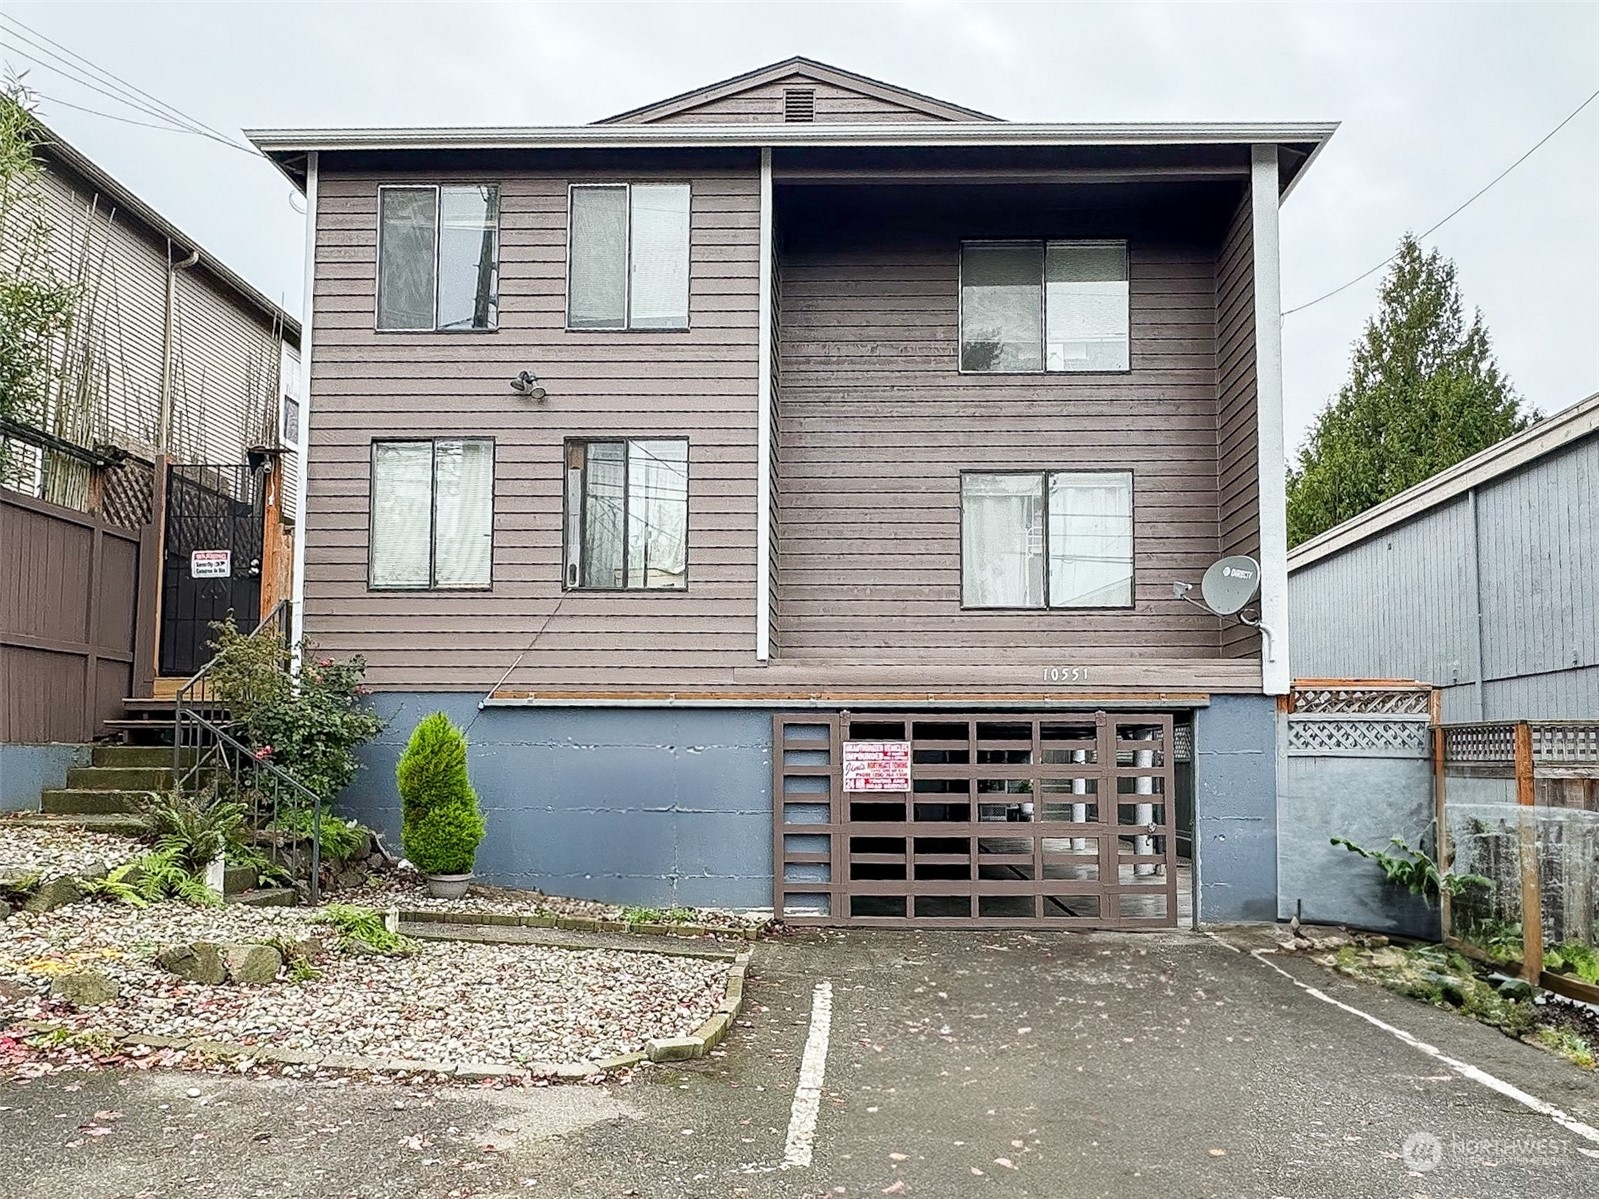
<point x="1424" y="392"/>
<point x="441" y="825"/>
<point x="36" y="303"/>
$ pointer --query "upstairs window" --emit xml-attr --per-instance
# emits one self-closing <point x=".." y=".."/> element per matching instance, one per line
<point x="432" y="523"/>
<point x="438" y="257"/>
<point x="628" y="256"/>
<point x="627" y="515"/>
<point x="1047" y="539"/>
<point x="1044" y="306"/>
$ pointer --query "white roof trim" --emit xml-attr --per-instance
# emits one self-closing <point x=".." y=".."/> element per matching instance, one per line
<point x="942" y="133"/>
<point x="1547" y="436"/>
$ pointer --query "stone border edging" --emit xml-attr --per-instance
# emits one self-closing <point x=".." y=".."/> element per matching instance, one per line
<point x="660" y="1049"/>
<point x="578" y="924"/>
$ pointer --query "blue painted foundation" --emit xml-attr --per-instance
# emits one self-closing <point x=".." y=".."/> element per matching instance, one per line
<point x="649" y="806"/>
<point x="1235" y="808"/>
<point x="26" y="770"/>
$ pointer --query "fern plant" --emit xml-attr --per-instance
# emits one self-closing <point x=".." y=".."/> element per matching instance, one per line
<point x="121" y="885"/>
<point x="361" y="930"/>
<point x="164" y="874"/>
<point x="197" y="829"/>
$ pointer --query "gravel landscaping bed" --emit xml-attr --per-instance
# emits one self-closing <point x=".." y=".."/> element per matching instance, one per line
<point x="505" y="1005"/>
<point x="409" y="893"/>
<point x="48" y="852"/>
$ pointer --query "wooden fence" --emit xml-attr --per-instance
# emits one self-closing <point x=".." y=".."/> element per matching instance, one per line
<point x="73" y="642"/>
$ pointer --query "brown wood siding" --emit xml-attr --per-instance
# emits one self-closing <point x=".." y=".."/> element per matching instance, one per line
<point x="1238" y="464"/>
<point x="763" y="104"/>
<point x="876" y="424"/>
<point x="700" y="384"/>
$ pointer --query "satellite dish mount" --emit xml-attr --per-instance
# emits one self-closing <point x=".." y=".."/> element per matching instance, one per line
<point x="1227" y="588"/>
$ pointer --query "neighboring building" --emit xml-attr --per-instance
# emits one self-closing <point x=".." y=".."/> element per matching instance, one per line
<point x="859" y="419"/>
<point x="174" y="370"/>
<point x="1483" y="580"/>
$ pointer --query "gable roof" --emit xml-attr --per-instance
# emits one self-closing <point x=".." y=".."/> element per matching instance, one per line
<point x="809" y="68"/>
<point x="1553" y="433"/>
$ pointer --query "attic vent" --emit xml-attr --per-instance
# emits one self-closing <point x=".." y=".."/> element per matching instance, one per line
<point x="799" y="104"/>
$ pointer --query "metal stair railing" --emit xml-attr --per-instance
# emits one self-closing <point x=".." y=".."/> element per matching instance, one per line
<point x="266" y="790"/>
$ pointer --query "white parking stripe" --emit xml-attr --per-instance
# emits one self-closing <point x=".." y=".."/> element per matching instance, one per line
<point x="813" y="1071"/>
<point x="1464" y="1069"/>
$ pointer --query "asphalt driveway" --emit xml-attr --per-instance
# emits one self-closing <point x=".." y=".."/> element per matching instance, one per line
<point x="953" y="1064"/>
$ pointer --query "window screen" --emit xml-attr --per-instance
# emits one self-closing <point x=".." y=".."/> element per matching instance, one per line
<point x="627" y="514"/>
<point x="629" y="256"/>
<point x="1057" y="539"/>
<point x="438" y="257"/>
<point x="432" y="514"/>
<point x="1044" y="306"/>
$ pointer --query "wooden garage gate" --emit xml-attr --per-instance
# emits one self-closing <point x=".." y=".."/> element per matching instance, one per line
<point x="1058" y="820"/>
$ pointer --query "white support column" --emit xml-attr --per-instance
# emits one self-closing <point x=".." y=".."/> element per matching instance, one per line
<point x="763" y="423"/>
<point x="1264" y="189"/>
<point x="301" y="530"/>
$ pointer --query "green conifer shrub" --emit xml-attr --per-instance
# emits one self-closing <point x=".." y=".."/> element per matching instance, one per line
<point x="441" y="825"/>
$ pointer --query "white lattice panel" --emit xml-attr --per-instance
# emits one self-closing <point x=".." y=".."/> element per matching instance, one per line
<point x="1375" y="735"/>
<point x="1362" y="701"/>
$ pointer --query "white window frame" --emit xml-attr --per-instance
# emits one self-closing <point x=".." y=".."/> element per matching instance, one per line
<point x="438" y="224"/>
<point x="1043" y="303"/>
<point x="1044" y="475"/>
<point x="626" y="187"/>
<point x="433" y="550"/>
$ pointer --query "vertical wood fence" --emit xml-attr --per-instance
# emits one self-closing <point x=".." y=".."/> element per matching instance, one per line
<point x="71" y="637"/>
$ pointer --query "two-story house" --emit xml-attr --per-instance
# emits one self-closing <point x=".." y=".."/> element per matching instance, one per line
<point x="786" y="482"/>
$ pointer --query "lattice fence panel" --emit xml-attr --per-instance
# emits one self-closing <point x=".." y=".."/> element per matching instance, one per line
<point x="1362" y="701"/>
<point x="1377" y="735"/>
<point x="1565" y="744"/>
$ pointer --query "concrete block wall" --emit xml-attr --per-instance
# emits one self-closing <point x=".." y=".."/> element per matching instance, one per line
<point x="649" y="806"/>
<point x="26" y="770"/>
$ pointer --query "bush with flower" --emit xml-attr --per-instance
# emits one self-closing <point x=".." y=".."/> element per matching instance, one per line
<point x="311" y="730"/>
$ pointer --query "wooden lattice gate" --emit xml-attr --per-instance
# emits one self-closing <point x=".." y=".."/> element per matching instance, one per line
<point x="955" y="820"/>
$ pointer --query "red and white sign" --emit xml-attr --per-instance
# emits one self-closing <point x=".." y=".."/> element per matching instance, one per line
<point x="877" y="765"/>
<point x="210" y="564"/>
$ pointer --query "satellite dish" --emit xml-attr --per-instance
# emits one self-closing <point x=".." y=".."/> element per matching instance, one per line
<point x="1230" y="584"/>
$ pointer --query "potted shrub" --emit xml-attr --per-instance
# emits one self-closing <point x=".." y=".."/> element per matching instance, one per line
<point x="441" y="825"/>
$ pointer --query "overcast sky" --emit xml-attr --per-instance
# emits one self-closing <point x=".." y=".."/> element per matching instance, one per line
<point x="1434" y="100"/>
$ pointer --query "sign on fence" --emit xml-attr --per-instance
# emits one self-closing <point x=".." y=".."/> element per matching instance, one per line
<point x="877" y="765"/>
<point x="210" y="564"/>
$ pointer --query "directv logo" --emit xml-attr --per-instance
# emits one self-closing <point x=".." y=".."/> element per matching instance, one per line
<point x="1233" y="572"/>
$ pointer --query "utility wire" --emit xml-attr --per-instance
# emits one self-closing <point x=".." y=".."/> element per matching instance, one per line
<point x="136" y="95"/>
<point x="179" y="124"/>
<point x="1477" y="195"/>
<point x="111" y="116"/>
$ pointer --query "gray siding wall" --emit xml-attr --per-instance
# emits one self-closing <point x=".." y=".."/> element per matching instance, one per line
<point x="225" y="354"/>
<point x="876" y="424"/>
<point x="700" y="384"/>
<point x="1237" y="423"/>
<point x="1403" y="603"/>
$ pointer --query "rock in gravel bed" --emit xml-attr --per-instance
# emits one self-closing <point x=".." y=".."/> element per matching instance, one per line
<point x="47" y="852"/>
<point x="199" y="962"/>
<point x="491" y="1005"/>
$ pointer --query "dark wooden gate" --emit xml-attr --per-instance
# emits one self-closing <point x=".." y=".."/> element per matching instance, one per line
<point x="1055" y="820"/>
<point x="208" y="509"/>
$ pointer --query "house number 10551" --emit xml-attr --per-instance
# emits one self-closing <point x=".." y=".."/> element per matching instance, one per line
<point x="1065" y="674"/>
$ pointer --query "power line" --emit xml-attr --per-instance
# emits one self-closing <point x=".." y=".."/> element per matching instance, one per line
<point x="111" y="116"/>
<point x="120" y="95"/>
<point x="1476" y="196"/>
<point x="131" y="90"/>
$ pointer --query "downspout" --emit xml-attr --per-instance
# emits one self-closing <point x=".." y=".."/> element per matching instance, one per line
<point x="307" y="321"/>
<point x="164" y="416"/>
<point x="1476" y="601"/>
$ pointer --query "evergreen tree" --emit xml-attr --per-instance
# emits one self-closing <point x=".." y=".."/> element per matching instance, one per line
<point x="1423" y="393"/>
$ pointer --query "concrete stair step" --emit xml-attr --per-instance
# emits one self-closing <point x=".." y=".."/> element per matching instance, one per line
<point x="73" y="802"/>
<point x="109" y="822"/>
<point x="266" y="897"/>
<point x="138" y="757"/>
<point x="120" y="778"/>
<point x="238" y="879"/>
